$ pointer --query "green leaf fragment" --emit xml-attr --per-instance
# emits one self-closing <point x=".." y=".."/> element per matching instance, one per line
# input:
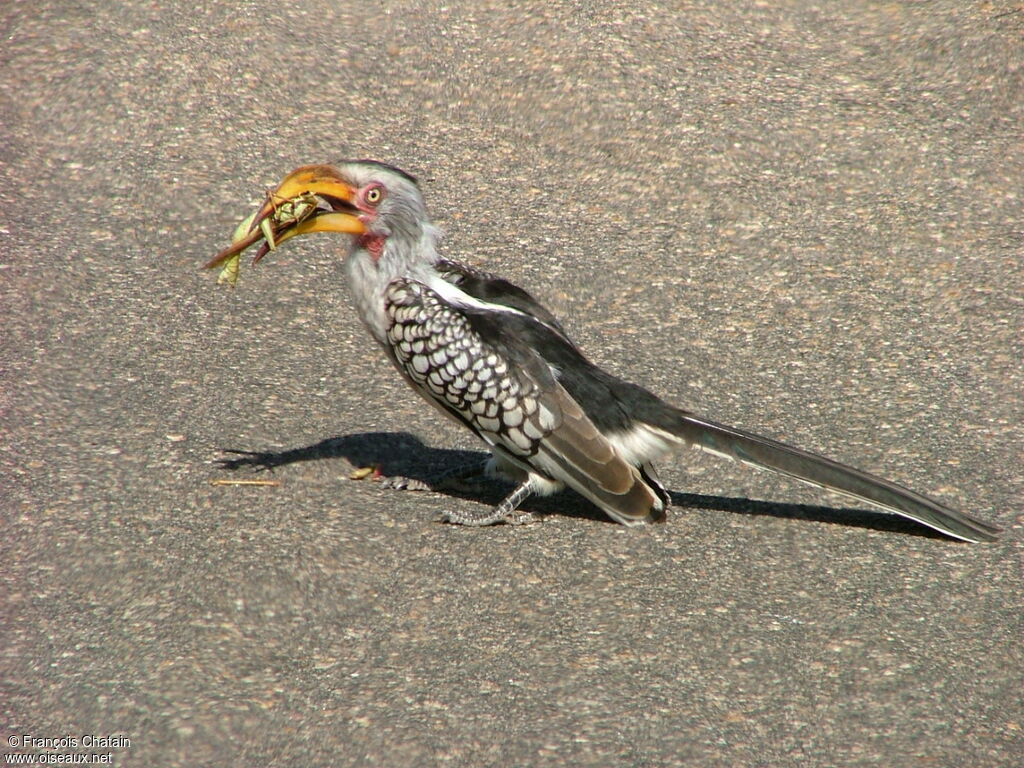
<point x="229" y="272"/>
<point x="243" y="229"/>
<point x="267" y="227"/>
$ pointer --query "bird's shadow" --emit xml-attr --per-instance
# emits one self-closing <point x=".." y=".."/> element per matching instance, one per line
<point x="400" y="454"/>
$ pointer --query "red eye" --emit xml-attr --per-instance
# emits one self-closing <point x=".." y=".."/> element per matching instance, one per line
<point x="374" y="194"/>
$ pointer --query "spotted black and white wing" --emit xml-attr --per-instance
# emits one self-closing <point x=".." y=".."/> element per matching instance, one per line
<point x="510" y="398"/>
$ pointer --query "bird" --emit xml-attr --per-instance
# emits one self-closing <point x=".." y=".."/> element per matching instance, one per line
<point x="492" y="358"/>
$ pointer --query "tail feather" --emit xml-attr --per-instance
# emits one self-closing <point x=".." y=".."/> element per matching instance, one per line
<point x="763" y="453"/>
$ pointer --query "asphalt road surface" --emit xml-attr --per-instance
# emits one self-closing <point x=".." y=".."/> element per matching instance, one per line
<point x="802" y="218"/>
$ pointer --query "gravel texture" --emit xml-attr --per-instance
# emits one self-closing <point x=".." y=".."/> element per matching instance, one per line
<point x="802" y="218"/>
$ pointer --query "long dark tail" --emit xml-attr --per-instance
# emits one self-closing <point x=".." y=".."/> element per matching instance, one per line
<point x="763" y="453"/>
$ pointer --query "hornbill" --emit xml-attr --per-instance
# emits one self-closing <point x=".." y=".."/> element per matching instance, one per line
<point x="488" y="355"/>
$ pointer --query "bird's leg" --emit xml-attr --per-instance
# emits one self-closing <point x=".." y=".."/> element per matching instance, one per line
<point x="449" y="479"/>
<point x="505" y="512"/>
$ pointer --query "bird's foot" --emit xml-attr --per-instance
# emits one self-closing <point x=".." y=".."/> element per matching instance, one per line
<point x="403" y="483"/>
<point x="489" y="517"/>
<point x="506" y="512"/>
<point x="457" y="479"/>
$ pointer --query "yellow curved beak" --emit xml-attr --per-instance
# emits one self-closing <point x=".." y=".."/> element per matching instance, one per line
<point x="312" y="198"/>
